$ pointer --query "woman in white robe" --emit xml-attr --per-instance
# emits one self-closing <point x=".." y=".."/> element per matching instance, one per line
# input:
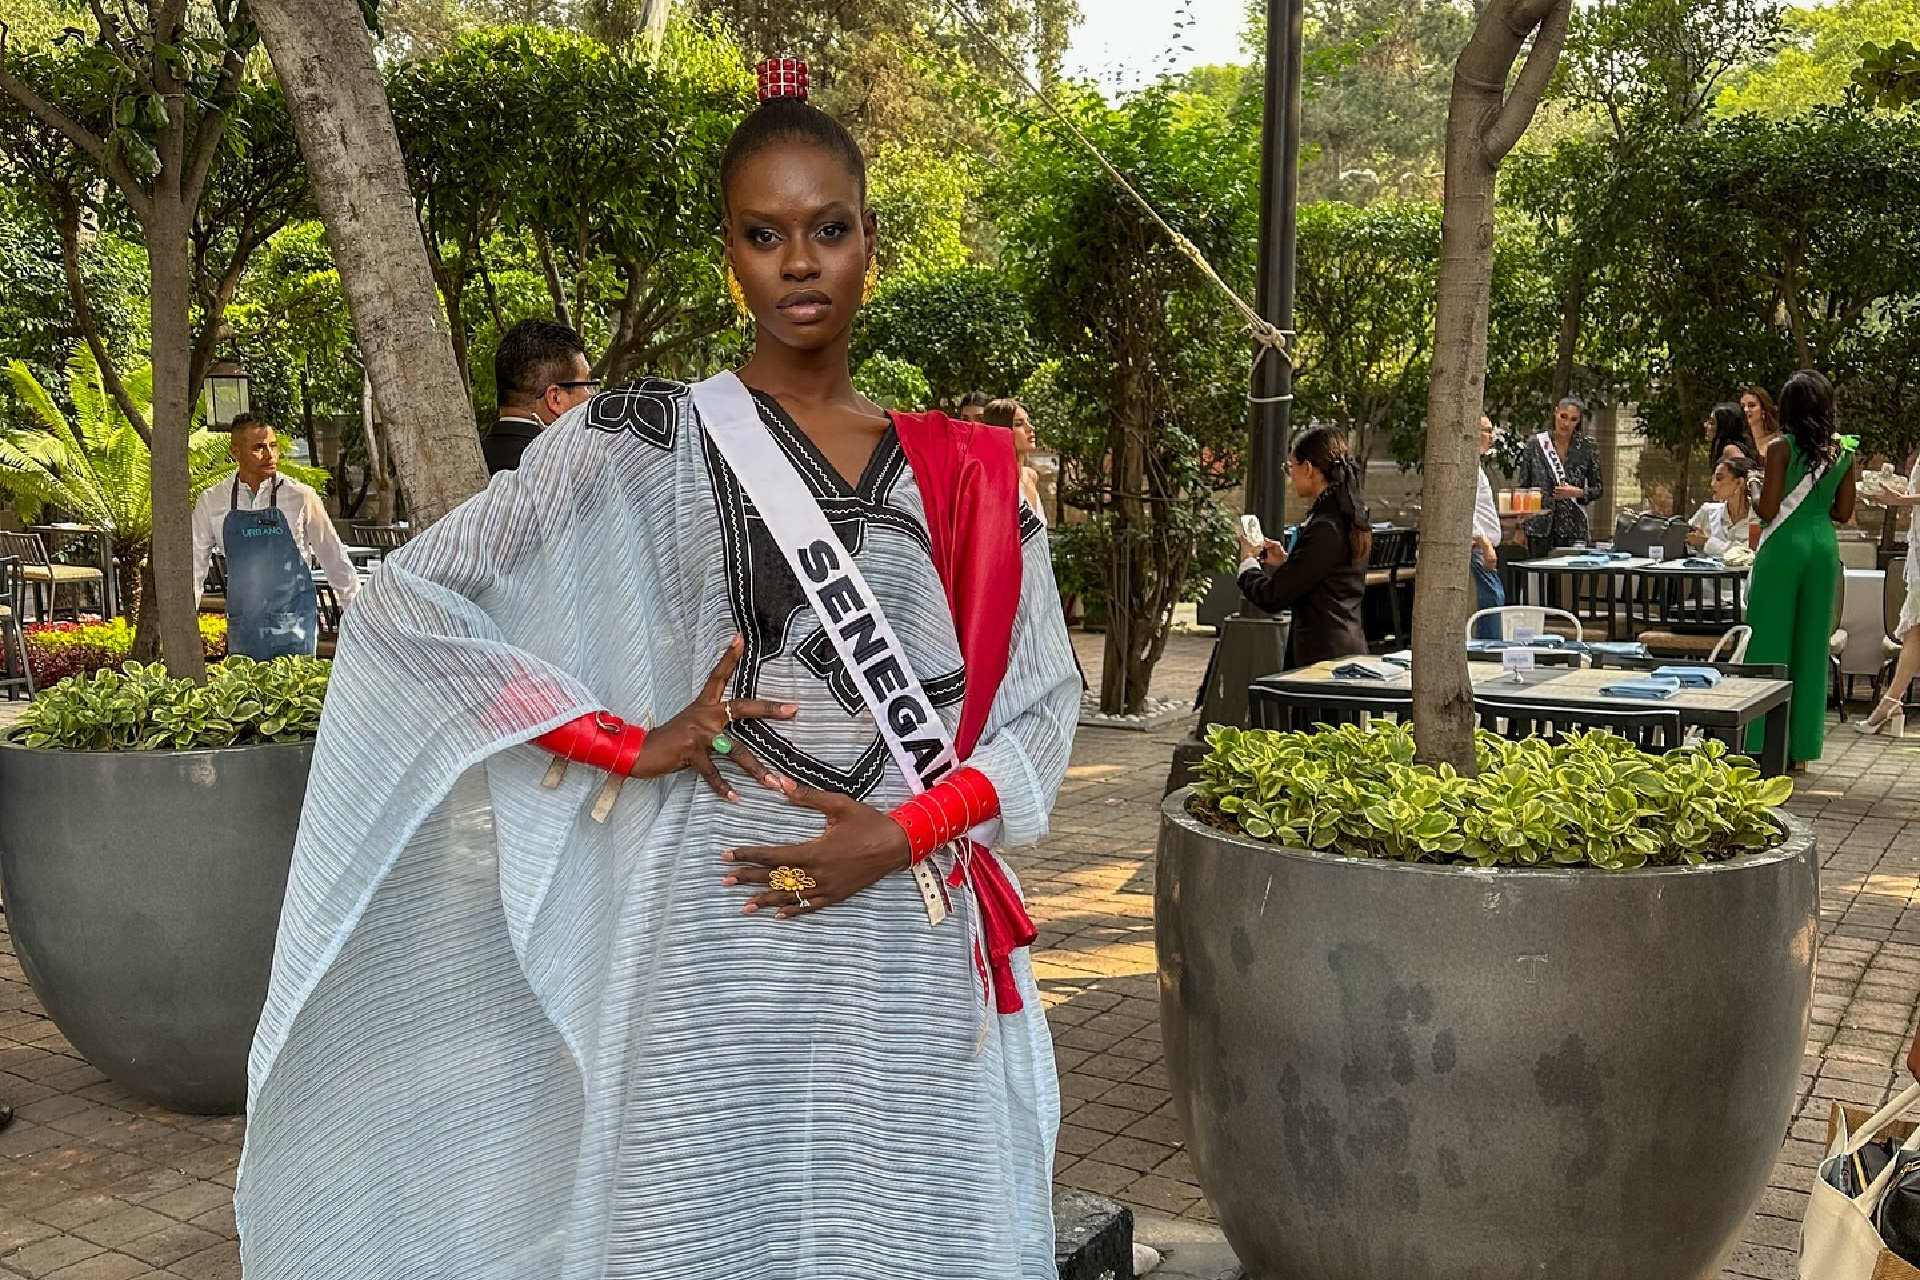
<point x="505" y="1041"/>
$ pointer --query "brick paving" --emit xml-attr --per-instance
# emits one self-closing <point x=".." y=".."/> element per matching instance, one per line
<point x="95" y="1185"/>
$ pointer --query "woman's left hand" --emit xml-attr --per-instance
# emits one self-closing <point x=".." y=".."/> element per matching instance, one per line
<point x="1249" y="550"/>
<point x="1572" y="491"/>
<point x="860" y="846"/>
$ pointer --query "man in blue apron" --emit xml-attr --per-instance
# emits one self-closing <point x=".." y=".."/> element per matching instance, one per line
<point x="269" y="528"/>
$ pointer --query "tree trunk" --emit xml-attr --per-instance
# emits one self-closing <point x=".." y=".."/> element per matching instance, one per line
<point x="1482" y="126"/>
<point x="1566" y="345"/>
<point x="172" y="600"/>
<point x="323" y="54"/>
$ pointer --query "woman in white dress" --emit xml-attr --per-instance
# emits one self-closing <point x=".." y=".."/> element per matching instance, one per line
<point x="1013" y="415"/>
<point x="1890" y="717"/>
<point x="1723" y="528"/>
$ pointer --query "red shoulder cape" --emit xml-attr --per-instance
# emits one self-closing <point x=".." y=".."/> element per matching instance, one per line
<point x="969" y="482"/>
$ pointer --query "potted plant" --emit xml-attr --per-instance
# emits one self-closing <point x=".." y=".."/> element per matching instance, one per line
<point x="146" y="827"/>
<point x="1545" y="1020"/>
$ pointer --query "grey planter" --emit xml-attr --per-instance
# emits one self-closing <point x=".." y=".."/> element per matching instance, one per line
<point x="1395" y="1072"/>
<point x="143" y="893"/>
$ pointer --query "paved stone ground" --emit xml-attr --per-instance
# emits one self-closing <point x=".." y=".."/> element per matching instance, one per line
<point x="95" y="1185"/>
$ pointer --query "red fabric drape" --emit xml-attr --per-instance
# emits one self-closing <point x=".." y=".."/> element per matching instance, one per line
<point x="969" y="483"/>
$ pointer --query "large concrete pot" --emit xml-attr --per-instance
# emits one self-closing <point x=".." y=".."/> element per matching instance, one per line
<point x="143" y="893"/>
<point x="1396" y="1072"/>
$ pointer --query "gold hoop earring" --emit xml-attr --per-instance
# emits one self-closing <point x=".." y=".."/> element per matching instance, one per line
<point x="738" y="294"/>
<point x="873" y="282"/>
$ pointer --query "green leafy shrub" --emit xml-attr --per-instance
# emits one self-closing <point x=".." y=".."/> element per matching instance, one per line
<point x="142" y="708"/>
<point x="893" y="384"/>
<point x="1592" y="800"/>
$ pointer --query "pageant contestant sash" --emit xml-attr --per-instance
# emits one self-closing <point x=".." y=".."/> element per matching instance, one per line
<point x="1804" y="490"/>
<point x="1545" y="442"/>
<point x="849" y="612"/>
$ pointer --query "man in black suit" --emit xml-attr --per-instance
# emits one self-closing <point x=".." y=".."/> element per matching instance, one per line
<point x="539" y="372"/>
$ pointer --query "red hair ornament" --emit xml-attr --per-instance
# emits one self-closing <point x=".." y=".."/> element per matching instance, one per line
<point x="782" y="78"/>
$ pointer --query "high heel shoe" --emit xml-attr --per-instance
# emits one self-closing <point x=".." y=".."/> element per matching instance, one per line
<point x="1889" y="719"/>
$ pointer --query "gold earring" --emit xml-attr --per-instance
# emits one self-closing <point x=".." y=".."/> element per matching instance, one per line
<point x="738" y="294"/>
<point x="873" y="282"/>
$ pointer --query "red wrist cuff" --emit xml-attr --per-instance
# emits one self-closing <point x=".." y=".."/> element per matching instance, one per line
<point x="600" y="740"/>
<point x="945" y="812"/>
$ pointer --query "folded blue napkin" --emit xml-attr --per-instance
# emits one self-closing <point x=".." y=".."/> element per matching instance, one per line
<point x="1485" y="646"/>
<point x="1596" y="559"/>
<point x="1652" y="687"/>
<point x="1612" y="648"/>
<point x="1359" y="671"/>
<point x="1402" y="659"/>
<point x="1690" y="676"/>
<point x="1702" y="562"/>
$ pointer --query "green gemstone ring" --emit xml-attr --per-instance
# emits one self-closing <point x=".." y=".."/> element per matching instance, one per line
<point x="722" y="743"/>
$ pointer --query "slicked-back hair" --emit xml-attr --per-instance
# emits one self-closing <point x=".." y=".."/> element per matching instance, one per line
<point x="780" y="120"/>
<point x="534" y="354"/>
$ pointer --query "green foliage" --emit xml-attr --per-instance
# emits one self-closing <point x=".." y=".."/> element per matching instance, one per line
<point x="140" y="708"/>
<point x="592" y="169"/>
<point x="919" y="198"/>
<point x="892" y="384"/>
<point x="1888" y="75"/>
<point x="57" y="651"/>
<point x="1150" y="368"/>
<point x="292" y="333"/>
<point x="963" y="328"/>
<point x="1364" y="307"/>
<point x="1828" y="51"/>
<point x="1591" y="800"/>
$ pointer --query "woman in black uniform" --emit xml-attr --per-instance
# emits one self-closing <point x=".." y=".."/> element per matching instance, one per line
<point x="1325" y="574"/>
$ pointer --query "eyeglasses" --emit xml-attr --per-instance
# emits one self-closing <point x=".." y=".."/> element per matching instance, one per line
<point x="590" y="383"/>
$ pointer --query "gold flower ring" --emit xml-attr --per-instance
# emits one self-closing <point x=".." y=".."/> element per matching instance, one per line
<point x="793" y="880"/>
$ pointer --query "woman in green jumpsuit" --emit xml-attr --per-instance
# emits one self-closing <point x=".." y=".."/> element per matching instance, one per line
<point x="1796" y="571"/>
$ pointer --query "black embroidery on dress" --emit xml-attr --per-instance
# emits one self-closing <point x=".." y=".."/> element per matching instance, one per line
<point x="767" y="601"/>
<point x="649" y="409"/>
<point x="1031" y="526"/>
<point x="818" y="655"/>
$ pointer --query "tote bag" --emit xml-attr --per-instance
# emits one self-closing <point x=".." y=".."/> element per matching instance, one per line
<point x="1838" y="1240"/>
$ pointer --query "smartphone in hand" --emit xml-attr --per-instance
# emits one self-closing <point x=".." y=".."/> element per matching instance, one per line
<point x="1250" y="529"/>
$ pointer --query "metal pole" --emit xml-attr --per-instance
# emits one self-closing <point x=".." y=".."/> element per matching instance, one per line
<point x="1279" y="197"/>
<point x="1252" y="644"/>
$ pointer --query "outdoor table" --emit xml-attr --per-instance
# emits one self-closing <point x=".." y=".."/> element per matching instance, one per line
<point x="1724" y="710"/>
<point x="1594" y="592"/>
<point x="54" y="534"/>
<point x="358" y="554"/>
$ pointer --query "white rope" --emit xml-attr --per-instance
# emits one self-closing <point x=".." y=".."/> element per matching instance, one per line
<point x="1264" y="333"/>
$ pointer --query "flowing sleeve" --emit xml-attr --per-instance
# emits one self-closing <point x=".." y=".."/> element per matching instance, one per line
<point x="1029" y="732"/>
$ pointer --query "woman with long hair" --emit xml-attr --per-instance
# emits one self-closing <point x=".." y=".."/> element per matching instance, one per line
<point x="1012" y="415"/>
<point x="768" y="1013"/>
<point x="1796" y="570"/>
<point x="1723" y="527"/>
<point x="1323" y="577"/>
<point x="1564" y="464"/>
<point x="1763" y="417"/>
<point x="1728" y="434"/>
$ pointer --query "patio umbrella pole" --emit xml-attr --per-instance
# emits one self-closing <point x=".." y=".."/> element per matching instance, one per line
<point x="1252" y="643"/>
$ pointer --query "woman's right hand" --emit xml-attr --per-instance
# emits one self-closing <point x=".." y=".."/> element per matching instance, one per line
<point x="688" y="740"/>
<point x="1696" y="538"/>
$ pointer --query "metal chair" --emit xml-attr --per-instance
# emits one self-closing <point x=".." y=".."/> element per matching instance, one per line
<point x="384" y="537"/>
<point x="1514" y="616"/>
<point x="1516" y="719"/>
<point x="1688" y="616"/>
<point x="46" y="576"/>
<point x="1758" y="670"/>
<point x="1271" y="708"/>
<point x="15" y="670"/>
<point x="1390" y="567"/>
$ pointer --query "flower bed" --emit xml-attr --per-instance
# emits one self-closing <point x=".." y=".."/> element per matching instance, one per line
<point x="57" y="651"/>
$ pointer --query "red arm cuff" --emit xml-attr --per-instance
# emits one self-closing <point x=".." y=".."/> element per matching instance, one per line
<point x="947" y="811"/>
<point x="600" y="740"/>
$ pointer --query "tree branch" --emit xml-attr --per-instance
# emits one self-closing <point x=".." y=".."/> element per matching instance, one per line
<point x="1516" y="113"/>
<point x="67" y="217"/>
<point x="213" y="123"/>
